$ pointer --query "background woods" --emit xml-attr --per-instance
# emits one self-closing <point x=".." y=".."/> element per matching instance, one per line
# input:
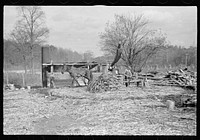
<point x="141" y="45"/>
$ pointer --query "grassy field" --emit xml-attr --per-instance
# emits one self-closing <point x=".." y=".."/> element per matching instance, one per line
<point x="20" y="79"/>
<point x="36" y="79"/>
<point x="73" y="111"/>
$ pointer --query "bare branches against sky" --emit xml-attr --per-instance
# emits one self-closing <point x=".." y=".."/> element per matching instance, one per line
<point x="78" y="28"/>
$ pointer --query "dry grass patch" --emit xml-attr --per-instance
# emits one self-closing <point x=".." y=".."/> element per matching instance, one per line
<point x="127" y="111"/>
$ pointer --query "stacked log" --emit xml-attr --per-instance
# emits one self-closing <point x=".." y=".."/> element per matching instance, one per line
<point x="105" y="82"/>
<point x="182" y="78"/>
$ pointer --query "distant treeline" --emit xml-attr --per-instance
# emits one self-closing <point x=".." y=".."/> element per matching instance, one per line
<point x="169" y="55"/>
<point x="13" y="58"/>
<point x="174" y="56"/>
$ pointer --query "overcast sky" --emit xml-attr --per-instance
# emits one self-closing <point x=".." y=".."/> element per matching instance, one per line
<point x="78" y="28"/>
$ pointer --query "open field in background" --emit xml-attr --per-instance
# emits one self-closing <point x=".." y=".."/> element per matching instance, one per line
<point x="161" y="69"/>
<point x="73" y="111"/>
<point x="36" y="79"/>
<point x="17" y="79"/>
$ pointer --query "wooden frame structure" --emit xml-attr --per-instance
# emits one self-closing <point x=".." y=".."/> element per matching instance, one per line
<point x="49" y="66"/>
<point x="52" y="67"/>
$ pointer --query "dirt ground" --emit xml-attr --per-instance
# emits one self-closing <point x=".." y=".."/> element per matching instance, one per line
<point x="73" y="111"/>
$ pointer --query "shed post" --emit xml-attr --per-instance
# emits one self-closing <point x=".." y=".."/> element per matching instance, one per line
<point x="52" y="70"/>
<point x="45" y="55"/>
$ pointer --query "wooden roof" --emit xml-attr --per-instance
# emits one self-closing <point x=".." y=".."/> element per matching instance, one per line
<point x="74" y="64"/>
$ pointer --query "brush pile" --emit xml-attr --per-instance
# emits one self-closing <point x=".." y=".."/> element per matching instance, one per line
<point x="181" y="77"/>
<point x="105" y="82"/>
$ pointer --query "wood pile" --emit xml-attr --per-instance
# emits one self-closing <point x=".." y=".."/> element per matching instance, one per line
<point x="182" y="78"/>
<point x="105" y="82"/>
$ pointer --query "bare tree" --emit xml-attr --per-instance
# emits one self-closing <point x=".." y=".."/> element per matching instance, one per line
<point x="20" y="41"/>
<point x="138" y="42"/>
<point x="30" y="28"/>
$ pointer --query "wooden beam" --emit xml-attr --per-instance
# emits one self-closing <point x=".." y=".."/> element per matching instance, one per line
<point x="44" y="70"/>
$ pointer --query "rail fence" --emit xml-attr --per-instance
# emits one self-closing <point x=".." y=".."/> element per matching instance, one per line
<point x="19" y="78"/>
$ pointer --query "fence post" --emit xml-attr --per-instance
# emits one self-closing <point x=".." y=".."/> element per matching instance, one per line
<point x="23" y="79"/>
<point x="7" y="80"/>
<point x="170" y="67"/>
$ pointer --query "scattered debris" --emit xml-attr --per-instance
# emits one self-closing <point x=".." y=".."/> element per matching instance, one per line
<point x="35" y="87"/>
<point x="16" y="87"/>
<point x="42" y="91"/>
<point x="9" y="87"/>
<point x="182" y="100"/>
<point x="190" y="101"/>
<point x="28" y="87"/>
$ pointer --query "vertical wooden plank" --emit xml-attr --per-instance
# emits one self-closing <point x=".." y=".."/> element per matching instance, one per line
<point x="7" y="80"/>
<point x="98" y="68"/>
<point x="44" y="69"/>
<point x="23" y="80"/>
<point x="42" y="66"/>
<point x="136" y="75"/>
<point x="170" y="67"/>
<point x="44" y="76"/>
<point x="101" y="68"/>
<point x="52" y="69"/>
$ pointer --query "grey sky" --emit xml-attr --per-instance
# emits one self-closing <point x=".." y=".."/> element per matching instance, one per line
<point x="78" y="28"/>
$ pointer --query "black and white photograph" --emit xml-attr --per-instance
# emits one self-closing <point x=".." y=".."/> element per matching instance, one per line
<point x="100" y="70"/>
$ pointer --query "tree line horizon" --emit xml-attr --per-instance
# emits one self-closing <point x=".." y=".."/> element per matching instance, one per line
<point x="141" y="45"/>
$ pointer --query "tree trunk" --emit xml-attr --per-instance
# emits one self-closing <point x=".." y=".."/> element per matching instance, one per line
<point x="6" y="72"/>
<point x="132" y="70"/>
<point x="25" y="70"/>
<point x="32" y="62"/>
